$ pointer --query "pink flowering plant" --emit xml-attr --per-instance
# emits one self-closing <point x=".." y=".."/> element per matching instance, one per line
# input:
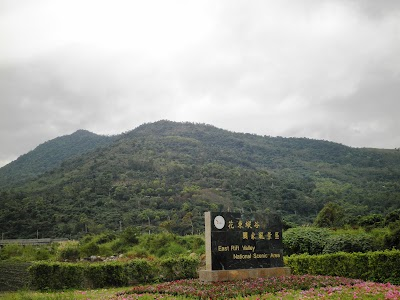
<point x="289" y="287"/>
<point x="362" y="290"/>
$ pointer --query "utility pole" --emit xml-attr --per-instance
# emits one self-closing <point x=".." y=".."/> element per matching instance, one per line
<point x="120" y="225"/>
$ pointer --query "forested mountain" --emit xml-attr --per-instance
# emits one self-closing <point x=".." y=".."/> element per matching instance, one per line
<point x="166" y="174"/>
<point x="50" y="155"/>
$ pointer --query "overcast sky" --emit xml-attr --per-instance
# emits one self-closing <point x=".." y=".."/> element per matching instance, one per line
<point x="318" y="69"/>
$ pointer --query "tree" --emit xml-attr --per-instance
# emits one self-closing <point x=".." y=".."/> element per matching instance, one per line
<point x="188" y="220"/>
<point x="392" y="217"/>
<point x="392" y="239"/>
<point x="331" y="215"/>
<point x="130" y="236"/>
<point x="371" y="221"/>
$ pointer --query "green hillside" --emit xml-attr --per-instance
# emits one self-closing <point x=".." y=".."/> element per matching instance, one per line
<point x="164" y="175"/>
<point x="50" y="155"/>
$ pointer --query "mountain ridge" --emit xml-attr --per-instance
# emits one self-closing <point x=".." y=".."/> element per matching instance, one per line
<point x="164" y="175"/>
<point x="47" y="156"/>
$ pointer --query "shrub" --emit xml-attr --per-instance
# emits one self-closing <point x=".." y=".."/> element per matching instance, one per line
<point x="53" y="276"/>
<point x="392" y="217"/>
<point x="379" y="235"/>
<point x="139" y="252"/>
<point x="170" y="250"/>
<point x="170" y="245"/>
<point x="42" y="254"/>
<point x="140" y="271"/>
<point x="155" y="242"/>
<point x="87" y="239"/>
<point x="349" y="243"/>
<point x="309" y="240"/>
<point x="392" y="239"/>
<point x="331" y="215"/>
<point x="380" y="266"/>
<point x="130" y="236"/>
<point x="14" y="276"/>
<point x="195" y="243"/>
<point x="384" y="266"/>
<point x="179" y="268"/>
<point x="105" y="250"/>
<point x="89" y="249"/>
<point x="11" y="251"/>
<point x="105" y="237"/>
<point x="371" y="221"/>
<point x="119" y="246"/>
<point x="105" y="274"/>
<point x="25" y="253"/>
<point x="69" y="253"/>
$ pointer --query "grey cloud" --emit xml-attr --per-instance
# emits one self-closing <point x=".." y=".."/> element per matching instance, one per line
<point x="371" y="112"/>
<point x="62" y="92"/>
<point x="376" y="9"/>
<point x="319" y="69"/>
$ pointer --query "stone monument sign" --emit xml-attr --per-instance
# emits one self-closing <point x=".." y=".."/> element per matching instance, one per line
<point x="240" y="246"/>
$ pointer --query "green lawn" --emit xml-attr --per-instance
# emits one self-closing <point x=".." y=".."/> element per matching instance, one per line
<point x="70" y="294"/>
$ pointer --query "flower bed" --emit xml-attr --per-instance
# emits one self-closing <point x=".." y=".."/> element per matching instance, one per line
<point x="262" y="287"/>
<point x="363" y="290"/>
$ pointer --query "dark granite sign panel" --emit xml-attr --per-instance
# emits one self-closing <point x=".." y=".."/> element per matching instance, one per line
<point x="245" y="241"/>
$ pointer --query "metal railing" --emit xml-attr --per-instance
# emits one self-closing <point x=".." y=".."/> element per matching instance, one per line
<point x="30" y="241"/>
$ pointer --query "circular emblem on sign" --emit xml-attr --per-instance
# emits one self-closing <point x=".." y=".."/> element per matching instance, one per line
<point x="219" y="222"/>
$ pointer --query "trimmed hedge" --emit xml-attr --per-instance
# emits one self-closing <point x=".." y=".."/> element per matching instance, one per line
<point x="14" y="276"/>
<point x="59" y="275"/>
<point x="179" y="268"/>
<point x="309" y="240"/>
<point x="56" y="276"/>
<point x="379" y="266"/>
<point x="349" y="243"/>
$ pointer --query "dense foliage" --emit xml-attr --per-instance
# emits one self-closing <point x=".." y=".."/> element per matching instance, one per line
<point x="109" y="245"/>
<point x="56" y="275"/>
<point x="313" y="240"/>
<point x="379" y="266"/>
<point x="130" y="244"/>
<point x="163" y="176"/>
<point x="14" y="275"/>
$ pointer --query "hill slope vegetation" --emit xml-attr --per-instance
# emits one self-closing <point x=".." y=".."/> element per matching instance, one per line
<point x="164" y="175"/>
<point x="50" y="155"/>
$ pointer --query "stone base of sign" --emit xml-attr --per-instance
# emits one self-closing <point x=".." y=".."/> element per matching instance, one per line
<point x="240" y="274"/>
